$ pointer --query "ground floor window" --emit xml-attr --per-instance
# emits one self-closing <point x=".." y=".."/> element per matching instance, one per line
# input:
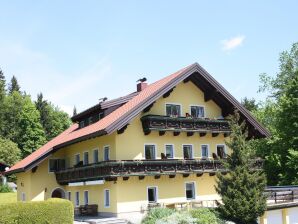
<point x="152" y="194"/>
<point x="23" y="196"/>
<point x="86" y="197"/>
<point x="77" y="198"/>
<point x="69" y="195"/>
<point x="150" y="152"/>
<point x="187" y="152"/>
<point x="190" y="191"/>
<point x="107" y="198"/>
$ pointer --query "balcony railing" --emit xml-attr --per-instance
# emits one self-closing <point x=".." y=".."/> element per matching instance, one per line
<point x="188" y="124"/>
<point x="110" y="170"/>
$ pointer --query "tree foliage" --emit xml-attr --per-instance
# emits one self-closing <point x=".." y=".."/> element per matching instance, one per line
<point x="250" y="104"/>
<point x="9" y="152"/>
<point x="279" y="113"/>
<point x="26" y="123"/>
<point x="242" y="188"/>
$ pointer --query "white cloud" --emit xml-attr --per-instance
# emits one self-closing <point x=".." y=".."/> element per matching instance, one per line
<point x="232" y="43"/>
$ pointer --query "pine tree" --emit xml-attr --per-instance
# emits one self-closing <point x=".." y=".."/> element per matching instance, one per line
<point x="2" y="97"/>
<point x="14" y="85"/>
<point x="74" y="111"/>
<point x="242" y="189"/>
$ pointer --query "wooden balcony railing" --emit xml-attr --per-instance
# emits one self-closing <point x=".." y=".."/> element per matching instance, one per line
<point x="110" y="170"/>
<point x="188" y="124"/>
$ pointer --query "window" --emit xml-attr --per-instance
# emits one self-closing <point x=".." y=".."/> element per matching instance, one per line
<point x="204" y="151"/>
<point x="221" y="152"/>
<point x="95" y="156"/>
<point x="173" y="110"/>
<point x="23" y="196"/>
<point x="86" y="197"/>
<point x="197" y="111"/>
<point x="107" y="198"/>
<point x="152" y="194"/>
<point x="106" y="155"/>
<point x="86" y="158"/>
<point x="170" y="151"/>
<point x="77" y="198"/>
<point x="81" y="124"/>
<point x="190" y="191"/>
<point x="69" y="195"/>
<point x="77" y="159"/>
<point x="56" y="165"/>
<point x="90" y="120"/>
<point x="149" y="151"/>
<point x="100" y="115"/>
<point x="187" y="151"/>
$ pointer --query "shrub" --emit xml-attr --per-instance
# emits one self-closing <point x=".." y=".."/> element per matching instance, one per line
<point x="52" y="211"/>
<point x="204" y="216"/>
<point x="156" y="214"/>
<point x="5" y="188"/>
<point x="183" y="217"/>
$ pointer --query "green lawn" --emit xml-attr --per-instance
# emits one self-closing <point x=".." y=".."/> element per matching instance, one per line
<point x="8" y="197"/>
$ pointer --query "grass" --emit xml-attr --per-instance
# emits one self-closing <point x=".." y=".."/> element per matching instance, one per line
<point x="8" y="197"/>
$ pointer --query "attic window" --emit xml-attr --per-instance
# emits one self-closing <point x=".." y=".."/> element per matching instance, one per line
<point x="81" y="124"/>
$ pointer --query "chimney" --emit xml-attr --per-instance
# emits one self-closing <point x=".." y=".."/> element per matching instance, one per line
<point x="141" y="86"/>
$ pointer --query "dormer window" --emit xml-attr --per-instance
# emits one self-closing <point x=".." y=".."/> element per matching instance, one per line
<point x="81" y="124"/>
<point x="197" y="111"/>
<point x="173" y="110"/>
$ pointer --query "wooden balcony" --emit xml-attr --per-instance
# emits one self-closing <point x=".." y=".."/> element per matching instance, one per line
<point x="111" y="170"/>
<point x="184" y="124"/>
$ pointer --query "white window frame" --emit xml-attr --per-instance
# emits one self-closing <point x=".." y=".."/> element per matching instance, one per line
<point x="104" y="152"/>
<point x="156" y="194"/>
<point x="86" y="199"/>
<point x="192" y="150"/>
<point x="173" y="150"/>
<point x="155" y="150"/>
<point x="77" y="199"/>
<point x="178" y="104"/>
<point x="84" y="158"/>
<point x="97" y="155"/>
<point x="225" y="148"/>
<point x="69" y="195"/>
<point x="196" y="105"/>
<point x="105" y="199"/>
<point x="75" y="158"/>
<point x="195" y="190"/>
<point x="23" y="196"/>
<point x="208" y="150"/>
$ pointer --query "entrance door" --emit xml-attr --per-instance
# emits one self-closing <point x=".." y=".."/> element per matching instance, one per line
<point x="58" y="193"/>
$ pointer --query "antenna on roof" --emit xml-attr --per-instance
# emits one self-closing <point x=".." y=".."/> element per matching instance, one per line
<point x="103" y="99"/>
<point x="142" y="80"/>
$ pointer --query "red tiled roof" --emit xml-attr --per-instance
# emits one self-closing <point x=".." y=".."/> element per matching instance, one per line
<point x="74" y="133"/>
<point x="121" y="116"/>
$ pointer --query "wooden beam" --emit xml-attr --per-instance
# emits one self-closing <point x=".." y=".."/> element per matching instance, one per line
<point x="212" y="174"/>
<point x="161" y="133"/>
<point x="209" y="94"/>
<point x="172" y="176"/>
<point x="215" y="134"/>
<point x="186" y="175"/>
<point x="167" y="94"/>
<point x="121" y="130"/>
<point x="156" y="176"/>
<point x="141" y="177"/>
<point x="199" y="174"/>
<point x="227" y="134"/>
<point x="176" y="133"/>
<point x="125" y="178"/>
<point x="189" y="134"/>
<point x="147" y="132"/>
<point x="202" y="134"/>
<point x="147" y="109"/>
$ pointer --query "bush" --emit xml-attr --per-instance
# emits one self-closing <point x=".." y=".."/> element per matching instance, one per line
<point x="5" y="189"/>
<point x="156" y="214"/>
<point x="52" y="211"/>
<point x="204" y="216"/>
<point x="183" y="217"/>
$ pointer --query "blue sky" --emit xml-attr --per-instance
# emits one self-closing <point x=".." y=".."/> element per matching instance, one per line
<point x="76" y="52"/>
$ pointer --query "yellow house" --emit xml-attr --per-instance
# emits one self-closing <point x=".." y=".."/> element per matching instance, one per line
<point x="158" y="145"/>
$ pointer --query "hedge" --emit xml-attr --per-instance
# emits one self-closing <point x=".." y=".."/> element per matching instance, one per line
<point x="52" y="211"/>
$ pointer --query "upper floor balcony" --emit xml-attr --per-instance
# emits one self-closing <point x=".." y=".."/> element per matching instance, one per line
<point x="189" y="125"/>
<point x="111" y="170"/>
